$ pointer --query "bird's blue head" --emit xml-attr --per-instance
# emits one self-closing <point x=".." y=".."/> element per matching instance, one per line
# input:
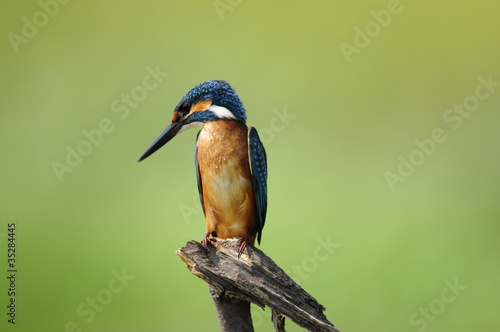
<point x="208" y="101"/>
<point x="212" y="96"/>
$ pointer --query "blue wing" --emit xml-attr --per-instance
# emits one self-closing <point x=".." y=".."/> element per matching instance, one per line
<point x="258" y="168"/>
<point x="198" y="175"/>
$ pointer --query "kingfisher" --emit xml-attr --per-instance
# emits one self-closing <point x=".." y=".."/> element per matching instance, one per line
<point x="230" y="162"/>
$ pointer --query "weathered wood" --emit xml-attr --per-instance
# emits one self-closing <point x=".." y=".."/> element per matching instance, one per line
<point x="278" y="321"/>
<point x="253" y="278"/>
<point x="232" y="314"/>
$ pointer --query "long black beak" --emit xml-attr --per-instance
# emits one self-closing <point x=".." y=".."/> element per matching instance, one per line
<point x="164" y="137"/>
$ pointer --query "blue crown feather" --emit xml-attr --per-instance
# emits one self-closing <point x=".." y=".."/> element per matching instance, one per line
<point x="220" y="93"/>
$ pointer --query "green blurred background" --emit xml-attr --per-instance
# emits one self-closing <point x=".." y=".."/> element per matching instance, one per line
<point x="333" y="124"/>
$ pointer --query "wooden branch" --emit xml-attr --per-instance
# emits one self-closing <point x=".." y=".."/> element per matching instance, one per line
<point x="252" y="278"/>
<point x="232" y="314"/>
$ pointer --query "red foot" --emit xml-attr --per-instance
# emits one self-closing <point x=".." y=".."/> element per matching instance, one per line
<point x="205" y="241"/>
<point x="244" y="243"/>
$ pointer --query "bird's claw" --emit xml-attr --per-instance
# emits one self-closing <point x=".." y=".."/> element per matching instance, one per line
<point x="244" y="243"/>
<point x="205" y="241"/>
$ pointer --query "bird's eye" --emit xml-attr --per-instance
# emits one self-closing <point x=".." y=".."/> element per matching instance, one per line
<point x="184" y="109"/>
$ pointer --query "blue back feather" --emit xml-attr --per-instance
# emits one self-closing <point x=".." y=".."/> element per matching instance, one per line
<point x="258" y="166"/>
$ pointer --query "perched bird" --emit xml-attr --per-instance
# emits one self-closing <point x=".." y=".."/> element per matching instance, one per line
<point x="230" y="161"/>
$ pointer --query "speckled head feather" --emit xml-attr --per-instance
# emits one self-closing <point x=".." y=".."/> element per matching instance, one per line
<point x="220" y="93"/>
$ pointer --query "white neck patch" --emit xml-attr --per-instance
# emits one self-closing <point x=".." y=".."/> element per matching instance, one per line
<point x="191" y="125"/>
<point x="221" y="112"/>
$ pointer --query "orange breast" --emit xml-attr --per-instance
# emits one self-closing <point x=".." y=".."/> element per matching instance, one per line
<point x="226" y="180"/>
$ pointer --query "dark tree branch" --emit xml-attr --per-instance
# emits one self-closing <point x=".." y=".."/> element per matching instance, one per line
<point x="232" y="314"/>
<point x="252" y="278"/>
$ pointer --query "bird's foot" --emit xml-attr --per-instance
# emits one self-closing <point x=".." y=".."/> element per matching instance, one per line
<point x="244" y="243"/>
<point x="206" y="240"/>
